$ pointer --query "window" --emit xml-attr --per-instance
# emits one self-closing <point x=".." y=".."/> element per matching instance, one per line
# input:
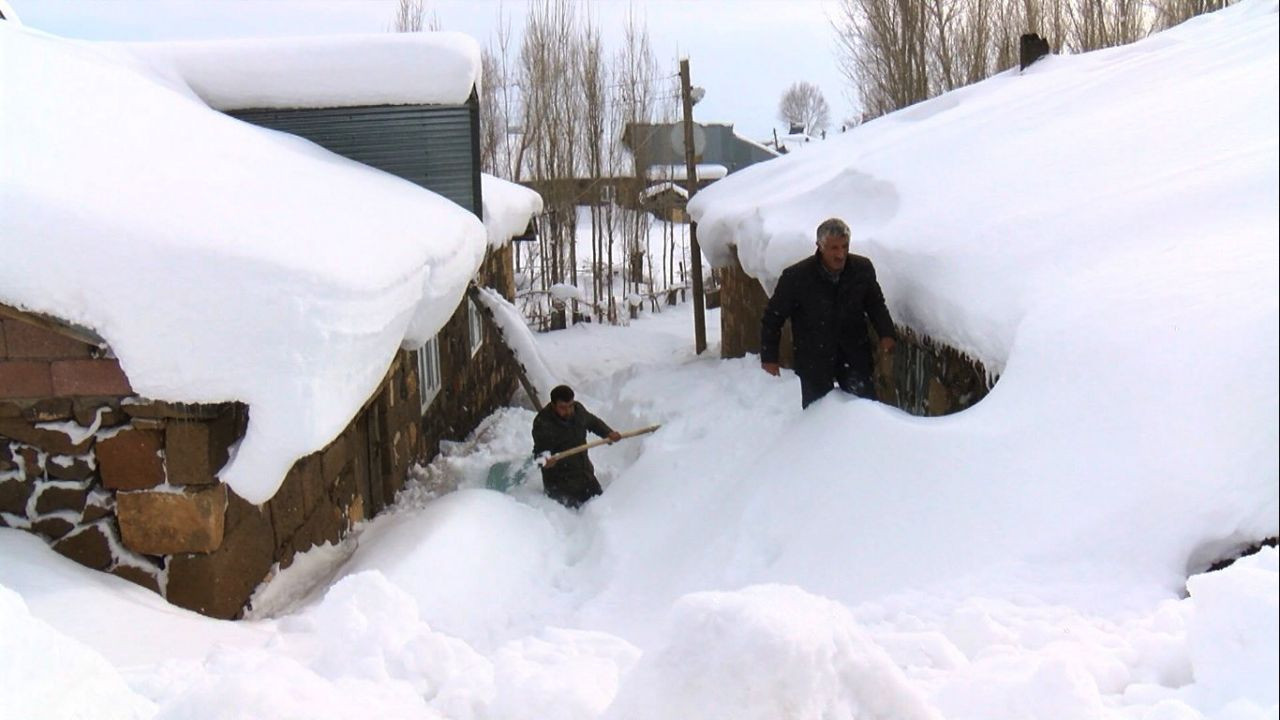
<point x="429" y="379"/>
<point x="475" y="327"/>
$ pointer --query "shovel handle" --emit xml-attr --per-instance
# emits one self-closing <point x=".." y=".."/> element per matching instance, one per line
<point x="596" y="443"/>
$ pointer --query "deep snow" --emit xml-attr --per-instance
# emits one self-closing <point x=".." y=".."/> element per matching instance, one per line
<point x="1025" y="558"/>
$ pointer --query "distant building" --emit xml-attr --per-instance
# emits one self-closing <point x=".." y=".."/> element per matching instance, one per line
<point x="662" y="144"/>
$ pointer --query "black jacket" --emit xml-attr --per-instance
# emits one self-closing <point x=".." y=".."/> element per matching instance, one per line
<point x="828" y="320"/>
<point x="574" y="474"/>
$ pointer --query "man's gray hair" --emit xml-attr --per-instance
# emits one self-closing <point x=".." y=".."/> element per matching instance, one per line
<point x="833" y="227"/>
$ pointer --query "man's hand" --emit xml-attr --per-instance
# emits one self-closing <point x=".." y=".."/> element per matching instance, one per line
<point x="550" y="462"/>
<point x="614" y="437"/>
<point x="771" y="368"/>
<point x="887" y="344"/>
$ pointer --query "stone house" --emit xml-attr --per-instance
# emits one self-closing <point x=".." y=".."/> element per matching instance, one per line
<point x="131" y="485"/>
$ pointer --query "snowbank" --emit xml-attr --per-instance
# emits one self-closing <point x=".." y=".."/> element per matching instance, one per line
<point x="220" y="261"/>
<point x="981" y="205"/>
<point x="421" y="68"/>
<point x="508" y="208"/>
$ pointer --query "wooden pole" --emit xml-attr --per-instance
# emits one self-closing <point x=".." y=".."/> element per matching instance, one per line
<point x="596" y="443"/>
<point x="691" y="184"/>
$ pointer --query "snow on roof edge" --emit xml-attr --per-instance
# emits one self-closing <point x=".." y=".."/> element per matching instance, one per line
<point x="321" y="71"/>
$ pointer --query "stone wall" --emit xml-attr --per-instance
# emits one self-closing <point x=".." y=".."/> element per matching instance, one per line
<point x="129" y="486"/>
<point x="924" y="377"/>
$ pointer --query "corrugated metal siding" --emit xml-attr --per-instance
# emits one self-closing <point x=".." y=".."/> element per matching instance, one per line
<point x="431" y="145"/>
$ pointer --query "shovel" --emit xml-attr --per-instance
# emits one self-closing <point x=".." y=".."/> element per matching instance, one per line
<point x="502" y="477"/>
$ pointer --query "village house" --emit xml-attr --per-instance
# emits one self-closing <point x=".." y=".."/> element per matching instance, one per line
<point x="189" y="397"/>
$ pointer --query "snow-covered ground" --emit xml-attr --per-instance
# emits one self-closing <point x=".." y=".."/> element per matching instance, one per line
<point x="1027" y="558"/>
<point x="705" y="583"/>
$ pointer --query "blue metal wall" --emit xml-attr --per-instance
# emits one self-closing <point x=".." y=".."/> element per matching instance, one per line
<point x="434" y="146"/>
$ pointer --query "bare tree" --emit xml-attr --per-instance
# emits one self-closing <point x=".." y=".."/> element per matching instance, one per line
<point x="881" y="48"/>
<point x="1175" y="12"/>
<point x="803" y="105"/>
<point x="411" y="17"/>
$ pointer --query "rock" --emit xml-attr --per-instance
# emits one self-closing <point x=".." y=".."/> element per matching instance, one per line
<point x="167" y="523"/>
<point x="52" y="499"/>
<point x="219" y="584"/>
<point x="130" y="460"/>
<point x="14" y="495"/>
<point x="88" y="546"/>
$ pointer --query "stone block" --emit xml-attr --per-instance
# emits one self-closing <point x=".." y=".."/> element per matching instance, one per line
<point x="61" y="467"/>
<point x="85" y="411"/>
<point x="25" y="379"/>
<point x="287" y="508"/>
<point x="224" y="431"/>
<point x="334" y="457"/>
<point x="52" y="527"/>
<point x="54" y="499"/>
<point x="14" y="495"/>
<point x="155" y="410"/>
<point x="130" y="460"/>
<point x="187" y="452"/>
<point x="89" y="377"/>
<point x="939" y="399"/>
<point x="54" y="442"/>
<point x="25" y="340"/>
<point x="219" y="584"/>
<point x="94" y="512"/>
<point x="32" y="468"/>
<point x="312" y="481"/>
<point x="167" y="523"/>
<point x="4" y="346"/>
<point x="88" y="546"/>
<point x="138" y="576"/>
<point x="48" y="410"/>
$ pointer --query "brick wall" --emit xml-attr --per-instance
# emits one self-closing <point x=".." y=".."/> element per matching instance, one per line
<point x="924" y="377"/>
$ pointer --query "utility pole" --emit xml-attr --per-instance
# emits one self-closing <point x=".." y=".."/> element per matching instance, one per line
<point x="691" y="185"/>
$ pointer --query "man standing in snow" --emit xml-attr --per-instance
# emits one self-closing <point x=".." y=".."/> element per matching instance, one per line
<point x="828" y="298"/>
<point x="560" y="426"/>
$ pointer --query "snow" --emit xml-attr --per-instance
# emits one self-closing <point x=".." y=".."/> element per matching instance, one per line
<point x="971" y="203"/>
<point x="1028" y="557"/>
<point x="508" y="208"/>
<point x="659" y="188"/>
<point x="422" y="68"/>
<point x="709" y="171"/>
<point x="518" y="337"/>
<point x="238" y="264"/>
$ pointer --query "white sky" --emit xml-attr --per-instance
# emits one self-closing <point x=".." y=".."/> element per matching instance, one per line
<point x="745" y="53"/>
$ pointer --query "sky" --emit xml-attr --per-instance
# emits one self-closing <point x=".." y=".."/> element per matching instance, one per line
<point x="744" y="53"/>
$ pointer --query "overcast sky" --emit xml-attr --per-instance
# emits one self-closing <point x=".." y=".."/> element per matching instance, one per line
<point x="745" y="53"/>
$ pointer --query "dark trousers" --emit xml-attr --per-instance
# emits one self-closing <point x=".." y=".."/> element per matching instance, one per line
<point x="572" y="493"/>
<point x="847" y="378"/>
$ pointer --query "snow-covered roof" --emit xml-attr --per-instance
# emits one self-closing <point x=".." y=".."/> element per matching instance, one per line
<point x="662" y="187"/>
<point x="680" y="172"/>
<point x="508" y="208"/>
<point x="220" y="260"/>
<point x="957" y="199"/>
<point x="421" y="68"/>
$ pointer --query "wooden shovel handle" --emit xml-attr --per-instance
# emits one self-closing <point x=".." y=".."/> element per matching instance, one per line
<point x="596" y="443"/>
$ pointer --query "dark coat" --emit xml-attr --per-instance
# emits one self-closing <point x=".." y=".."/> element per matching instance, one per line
<point x="828" y="320"/>
<point x="572" y="480"/>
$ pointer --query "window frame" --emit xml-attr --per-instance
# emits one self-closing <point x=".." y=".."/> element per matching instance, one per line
<point x="429" y="383"/>
<point x="475" y="327"/>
